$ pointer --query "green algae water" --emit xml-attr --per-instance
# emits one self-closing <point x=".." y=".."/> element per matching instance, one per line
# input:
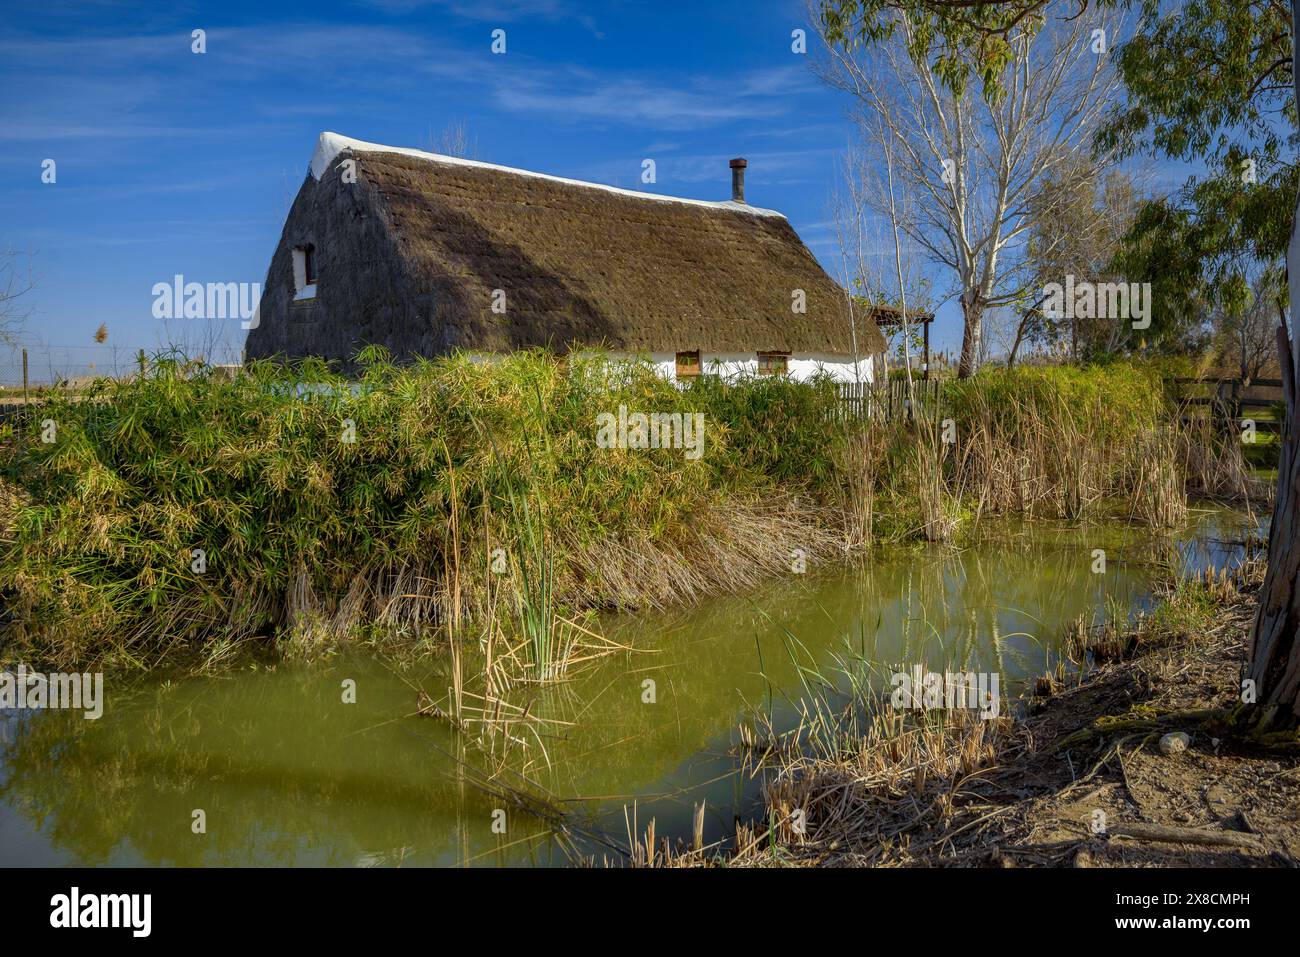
<point x="285" y="772"/>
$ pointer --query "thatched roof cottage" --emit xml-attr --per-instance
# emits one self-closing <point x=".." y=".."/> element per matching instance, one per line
<point x="425" y="254"/>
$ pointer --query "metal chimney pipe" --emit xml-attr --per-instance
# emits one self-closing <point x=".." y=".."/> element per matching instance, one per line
<point x="738" y="180"/>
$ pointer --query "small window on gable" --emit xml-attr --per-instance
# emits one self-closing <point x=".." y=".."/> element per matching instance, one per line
<point x="304" y="271"/>
<point x="773" y="363"/>
<point x="688" y="365"/>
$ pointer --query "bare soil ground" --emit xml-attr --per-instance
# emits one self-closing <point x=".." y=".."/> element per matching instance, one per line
<point x="1244" y="799"/>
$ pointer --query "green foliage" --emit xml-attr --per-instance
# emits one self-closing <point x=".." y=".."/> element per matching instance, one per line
<point x="768" y="431"/>
<point x="1187" y="611"/>
<point x="454" y="458"/>
<point x="1114" y="402"/>
<point x="1209" y="81"/>
<point x="1069" y="443"/>
<point x="98" y="529"/>
<point x="958" y="41"/>
<point x="1205" y="76"/>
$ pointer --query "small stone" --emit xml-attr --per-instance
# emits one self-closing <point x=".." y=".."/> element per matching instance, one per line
<point x="1174" y="742"/>
<point x="1215" y="794"/>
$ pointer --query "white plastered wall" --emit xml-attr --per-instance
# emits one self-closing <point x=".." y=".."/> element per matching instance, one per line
<point x="802" y="366"/>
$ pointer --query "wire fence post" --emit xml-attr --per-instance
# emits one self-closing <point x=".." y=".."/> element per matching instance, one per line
<point x="24" y="378"/>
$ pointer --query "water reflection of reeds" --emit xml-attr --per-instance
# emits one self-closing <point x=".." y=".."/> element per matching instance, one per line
<point x="287" y="774"/>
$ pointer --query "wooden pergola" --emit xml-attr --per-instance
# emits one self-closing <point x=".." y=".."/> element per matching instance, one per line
<point x="891" y="317"/>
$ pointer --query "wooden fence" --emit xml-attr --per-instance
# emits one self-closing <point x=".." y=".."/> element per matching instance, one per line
<point x="12" y="411"/>
<point x="1228" y="402"/>
<point x="889" y="400"/>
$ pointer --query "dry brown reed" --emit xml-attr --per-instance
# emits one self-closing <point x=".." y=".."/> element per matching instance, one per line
<point x="888" y="797"/>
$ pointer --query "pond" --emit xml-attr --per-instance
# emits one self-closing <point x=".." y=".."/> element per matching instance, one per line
<point x="285" y="772"/>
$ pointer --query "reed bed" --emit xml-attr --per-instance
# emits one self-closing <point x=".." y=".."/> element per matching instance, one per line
<point x="889" y="795"/>
<point x="1059" y="442"/>
<point x="1215" y="468"/>
<point x="183" y="505"/>
<point x="186" y="510"/>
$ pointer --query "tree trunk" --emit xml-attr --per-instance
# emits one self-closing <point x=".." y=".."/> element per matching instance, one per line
<point x="972" y="330"/>
<point x="1274" y="659"/>
<point x="1245" y="371"/>
<point x="1015" y="346"/>
<point x="1020" y="330"/>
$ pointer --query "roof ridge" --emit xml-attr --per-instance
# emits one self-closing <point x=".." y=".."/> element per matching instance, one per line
<point x="330" y="145"/>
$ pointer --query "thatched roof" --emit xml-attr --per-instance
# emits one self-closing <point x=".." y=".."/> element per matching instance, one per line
<point x="580" y="263"/>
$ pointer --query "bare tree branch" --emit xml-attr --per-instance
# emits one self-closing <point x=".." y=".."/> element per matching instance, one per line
<point x="972" y="164"/>
<point x="16" y="282"/>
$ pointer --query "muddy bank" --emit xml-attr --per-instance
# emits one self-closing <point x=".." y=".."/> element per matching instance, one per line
<point x="1078" y="779"/>
<point x="1116" y="799"/>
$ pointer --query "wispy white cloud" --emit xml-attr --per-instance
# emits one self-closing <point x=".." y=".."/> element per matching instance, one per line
<point x="704" y="175"/>
<point x="494" y="11"/>
<point x="667" y="104"/>
<point x="120" y="82"/>
<point x="808" y="131"/>
<point x="26" y="52"/>
<point x="763" y="166"/>
<point x="53" y="130"/>
<point x="113" y="90"/>
<point x="317" y="50"/>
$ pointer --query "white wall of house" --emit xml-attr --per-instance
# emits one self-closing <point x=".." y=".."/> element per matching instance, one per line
<point x="805" y="365"/>
<point x="802" y="365"/>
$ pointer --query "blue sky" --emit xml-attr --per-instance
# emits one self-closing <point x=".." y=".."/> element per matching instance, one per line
<point x="171" y="162"/>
